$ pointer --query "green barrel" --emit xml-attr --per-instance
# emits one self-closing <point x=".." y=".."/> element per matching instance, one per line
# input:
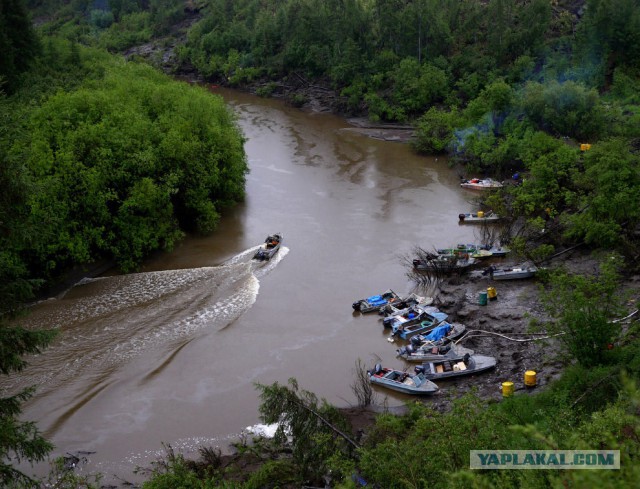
<point x="482" y="298"/>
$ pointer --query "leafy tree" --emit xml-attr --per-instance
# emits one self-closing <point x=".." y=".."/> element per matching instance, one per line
<point x="551" y="167"/>
<point x="125" y="164"/>
<point x="101" y="18"/>
<point x="121" y="8"/>
<point x="418" y="87"/>
<point x="568" y="109"/>
<point x="582" y="308"/>
<point x="610" y="33"/>
<point x="609" y="204"/>
<point x="492" y="105"/>
<point x="15" y="285"/>
<point x="435" y="130"/>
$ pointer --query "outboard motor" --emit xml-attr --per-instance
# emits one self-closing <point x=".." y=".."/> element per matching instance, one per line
<point x="415" y="341"/>
<point x="405" y="350"/>
<point x="461" y="217"/>
<point x="420" y="369"/>
<point x="356" y="306"/>
<point x="387" y="322"/>
<point x="416" y="263"/>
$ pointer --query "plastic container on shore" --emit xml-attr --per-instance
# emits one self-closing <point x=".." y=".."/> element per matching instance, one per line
<point x="530" y="378"/>
<point x="482" y="298"/>
<point x="492" y="293"/>
<point x="507" y="389"/>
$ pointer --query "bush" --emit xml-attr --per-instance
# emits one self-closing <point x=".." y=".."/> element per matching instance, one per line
<point x="582" y="309"/>
<point x="567" y="109"/>
<point x="435" y="131"/>
<point x="125" y="164"/>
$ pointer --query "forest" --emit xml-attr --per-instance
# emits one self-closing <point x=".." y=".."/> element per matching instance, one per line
<point x="106" y="160"/>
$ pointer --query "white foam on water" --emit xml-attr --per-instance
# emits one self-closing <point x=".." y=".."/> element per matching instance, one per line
<point x="266" y="430"/>
<point x="106" y="322"/>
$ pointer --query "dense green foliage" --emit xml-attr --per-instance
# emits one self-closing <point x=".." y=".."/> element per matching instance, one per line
<point x="377" y="45"/>
<point x="125" y="162"/>
<point x="112" y="24"/>
<point x="584" y="410"/>
<point x="585" y="328"/>
<point x="316" y="428"/>
<point x="115" y="168"/>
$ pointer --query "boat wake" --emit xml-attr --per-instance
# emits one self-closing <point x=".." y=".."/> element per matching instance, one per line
<point x="105" y="322"/>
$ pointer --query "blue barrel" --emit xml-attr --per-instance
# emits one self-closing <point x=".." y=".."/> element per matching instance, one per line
<point x="482" y="298"/>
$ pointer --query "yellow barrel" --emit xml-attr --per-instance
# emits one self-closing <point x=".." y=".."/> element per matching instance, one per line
<point x="480" y="213"/>
<point x="492" y="293"/>
<point x="507" y="389"/>
<point x="530" y="378"/>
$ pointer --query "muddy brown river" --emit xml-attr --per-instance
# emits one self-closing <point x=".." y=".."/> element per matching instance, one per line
<point x="171" y="354"/>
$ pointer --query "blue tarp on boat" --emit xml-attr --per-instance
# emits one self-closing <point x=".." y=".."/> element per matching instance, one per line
<point x="438" y="332"/>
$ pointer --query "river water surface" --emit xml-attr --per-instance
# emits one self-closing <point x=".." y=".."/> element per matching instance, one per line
<point x="171" y="354"/>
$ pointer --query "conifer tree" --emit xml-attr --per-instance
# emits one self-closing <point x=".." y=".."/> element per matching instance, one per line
<point x="18" y="42"/>
<point x="19" y="440"/>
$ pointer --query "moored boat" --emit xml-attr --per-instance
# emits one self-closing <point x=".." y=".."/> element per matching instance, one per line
<point x="405" y="382"/>
<point x="446" y="369"/>
<point x="478" y="218"/>
<point x="417" y="319"/>
<point x="444" y="263"/>
<point x="431" y="354"/>
<point x="479" y="254"/>
<point x="498" y="251"/>
<point x="402" y="306"/>
<point x="443" y="334"/>
<point x="514" y="273"/>
<point x="459" y="249"/>
<point x="269" y="248"/>
<point x="376" y="302"/>
<point x="481" y="184"/>
<point x="490" y="252"/>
